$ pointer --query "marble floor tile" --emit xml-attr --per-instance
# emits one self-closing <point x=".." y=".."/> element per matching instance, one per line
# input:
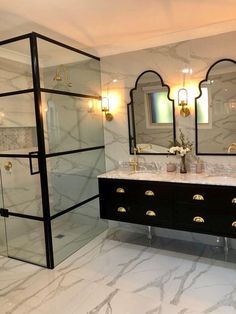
<point x="107" y="276"/>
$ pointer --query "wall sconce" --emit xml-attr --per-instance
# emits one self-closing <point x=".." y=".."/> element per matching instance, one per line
<point x="183" y="101"/>
<point x="105" y="108"/>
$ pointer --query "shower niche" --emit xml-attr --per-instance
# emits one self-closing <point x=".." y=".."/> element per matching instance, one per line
<point x="51" y="149"/>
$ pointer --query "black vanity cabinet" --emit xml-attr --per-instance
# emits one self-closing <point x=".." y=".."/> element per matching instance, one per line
<point x="143" y="202"/>
<point x="191" y="207"/>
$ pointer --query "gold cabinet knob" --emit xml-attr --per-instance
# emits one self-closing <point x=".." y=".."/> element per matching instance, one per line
<point x="121" y="210"/>
<point x="120" y="190"/>
<point x="150" y="213"/>
<point x="234" y="224"/>
<point x="198" y="197"/>
<point x="198" y="219"/>
<point x="8" y="166"/>
<point x="149" y="193"/>
<point x="234" y="200"/>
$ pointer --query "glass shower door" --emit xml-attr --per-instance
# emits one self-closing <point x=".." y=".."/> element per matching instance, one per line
<point x="3" y="234"/>
<point x="22" y="206"/>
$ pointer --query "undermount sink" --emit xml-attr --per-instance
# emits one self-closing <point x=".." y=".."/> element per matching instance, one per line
<point x="140" y="172"/>
<point x="143" y="168"/>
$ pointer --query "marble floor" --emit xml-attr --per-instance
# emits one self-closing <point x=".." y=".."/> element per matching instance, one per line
<point x="113" y="276"/>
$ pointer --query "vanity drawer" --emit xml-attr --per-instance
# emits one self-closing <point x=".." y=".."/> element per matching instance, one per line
<point x="113" y="188"/>
<point x="226" y="225"/>
<point x="116" y="210"/>
<point x="155" y="215"/>
<point x="147" y="191"/>
<point x="211" y="198"/>
<point x="193" y="220"/>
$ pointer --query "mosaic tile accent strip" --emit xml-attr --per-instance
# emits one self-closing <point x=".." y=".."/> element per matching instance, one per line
<point x="17" y="138"/>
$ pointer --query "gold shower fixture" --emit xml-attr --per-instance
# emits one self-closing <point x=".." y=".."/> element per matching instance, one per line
<point x="62" y="75"/>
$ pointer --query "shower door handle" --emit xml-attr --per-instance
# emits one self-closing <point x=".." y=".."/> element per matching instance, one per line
<point x="32" y="172"/>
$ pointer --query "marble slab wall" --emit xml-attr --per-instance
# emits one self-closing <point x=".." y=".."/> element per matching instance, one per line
<point x="168" y="61"/>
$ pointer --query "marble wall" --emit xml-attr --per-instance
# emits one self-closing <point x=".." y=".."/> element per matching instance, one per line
<point x="168" y="61"/>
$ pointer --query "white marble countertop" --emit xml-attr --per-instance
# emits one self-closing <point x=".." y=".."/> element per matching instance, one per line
<point x="226" y="179"/>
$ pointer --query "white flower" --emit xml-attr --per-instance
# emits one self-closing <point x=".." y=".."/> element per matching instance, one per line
<point x="179" y="149"/>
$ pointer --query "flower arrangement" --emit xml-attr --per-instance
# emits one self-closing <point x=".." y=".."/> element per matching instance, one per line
<point x="181" y="147"/>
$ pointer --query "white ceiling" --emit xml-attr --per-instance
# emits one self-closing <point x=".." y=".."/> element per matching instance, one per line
<point x="115" y="26"/>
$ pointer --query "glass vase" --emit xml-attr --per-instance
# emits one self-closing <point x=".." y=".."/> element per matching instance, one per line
<point x="183" y="168"/>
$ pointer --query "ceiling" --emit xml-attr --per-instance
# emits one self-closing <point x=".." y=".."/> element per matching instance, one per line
<point x="114" y="26"/>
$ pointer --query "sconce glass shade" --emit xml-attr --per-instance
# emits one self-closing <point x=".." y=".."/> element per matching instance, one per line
<point x="183" y="97"/>
<point x="105" y="104"/>
<point x="105" y="108"/>
<point x="183" y="101"/>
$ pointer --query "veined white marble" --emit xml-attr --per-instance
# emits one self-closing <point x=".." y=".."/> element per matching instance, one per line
<point x="111" y="277"/>
<point x="161" y="176"/>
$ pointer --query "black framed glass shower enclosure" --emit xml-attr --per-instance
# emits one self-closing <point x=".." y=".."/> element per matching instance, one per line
<point x="51" y="149"/>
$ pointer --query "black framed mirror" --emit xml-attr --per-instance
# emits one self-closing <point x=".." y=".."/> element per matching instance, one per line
<point x="215" y="110"/>
<point x="151" y="115"/>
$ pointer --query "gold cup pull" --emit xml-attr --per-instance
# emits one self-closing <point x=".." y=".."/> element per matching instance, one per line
<point x="151" y="213"/>
<point x="234" y="200"/>
<point x="149" y="193"/>
<point x="198" y="219"/>
<point x="121" y="210"/>
<point x="120" y="190"/>
<point x="8" y="166"/>
<point x="234" y="224"/>
<point x="198" y="197"/>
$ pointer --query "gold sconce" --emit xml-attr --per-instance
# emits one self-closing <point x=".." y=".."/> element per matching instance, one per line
<point x="105" y="108"/>
<point x="183" y="102"/>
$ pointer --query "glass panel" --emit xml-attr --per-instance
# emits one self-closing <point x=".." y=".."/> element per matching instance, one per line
<point x="67" y="70"/>
<point x="17" y="124"/>
<point x="71" y="122"/>
<point x="21" y="190"/>
<point x="26" y="240"/>
<point x="73" y="178"/>
<point x="15" y="66"/>
<point x="3" y="238"/>
<point x="76" y="228"/>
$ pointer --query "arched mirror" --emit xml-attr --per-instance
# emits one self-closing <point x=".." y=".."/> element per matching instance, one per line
<point x="215" y="110"/>
<point x="151" y="115"/>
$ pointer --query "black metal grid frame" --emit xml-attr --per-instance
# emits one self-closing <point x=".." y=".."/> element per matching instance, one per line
<point x="42" y="155"/>
<point x="131" y="117"/>
<point x="196" y="111"/>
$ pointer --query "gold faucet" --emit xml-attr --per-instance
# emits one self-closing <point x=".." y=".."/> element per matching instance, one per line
<point x="134" y="163"/>
<point x="232" y="147"/>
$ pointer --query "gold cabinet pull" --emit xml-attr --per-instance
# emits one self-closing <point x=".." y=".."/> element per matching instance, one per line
<point x="234" y="200"/>
<point x="120" y="190"/>
<point x="149" y="193"/>
<point x="198" y="197"/>
<point x="198" y="219"/>
<point x="234" y="224"/>
<point x="121" y="210"/>
<point x="150" y="213"/>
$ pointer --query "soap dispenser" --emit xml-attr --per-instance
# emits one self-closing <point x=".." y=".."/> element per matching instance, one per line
<point x="199" y="166"/>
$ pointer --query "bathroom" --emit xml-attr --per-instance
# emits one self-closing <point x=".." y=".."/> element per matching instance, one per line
<point x="99" y="271"/>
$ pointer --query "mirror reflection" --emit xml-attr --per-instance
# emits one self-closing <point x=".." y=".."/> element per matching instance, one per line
<point x="150" y="115"/>
<point x="216" y="110"/>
